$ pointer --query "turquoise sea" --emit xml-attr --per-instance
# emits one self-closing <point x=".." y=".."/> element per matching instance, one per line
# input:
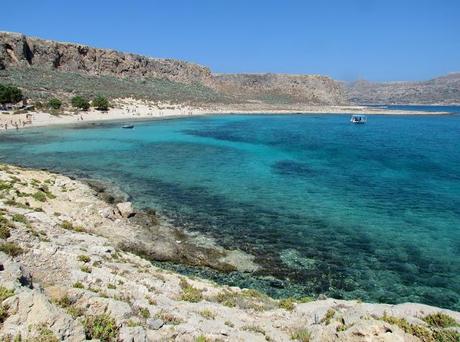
<point x="352" y="211"/>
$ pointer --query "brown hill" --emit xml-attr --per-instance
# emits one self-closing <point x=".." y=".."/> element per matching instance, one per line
<point x="43" y="67"/>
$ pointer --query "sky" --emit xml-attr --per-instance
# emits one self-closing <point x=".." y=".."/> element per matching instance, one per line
<point x="347" y="40"/>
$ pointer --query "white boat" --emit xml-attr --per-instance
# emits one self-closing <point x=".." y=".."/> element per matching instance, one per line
<point x="127" y="126"/>
<point x="358" y="119"/>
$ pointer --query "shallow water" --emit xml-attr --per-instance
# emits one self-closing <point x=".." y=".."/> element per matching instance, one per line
<point x="353" y="211"/>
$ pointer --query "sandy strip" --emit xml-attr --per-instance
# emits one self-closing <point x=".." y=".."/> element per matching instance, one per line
<point x="130" y="109"/>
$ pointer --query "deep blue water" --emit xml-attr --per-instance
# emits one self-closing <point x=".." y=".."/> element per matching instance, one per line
<point x="353" y="211"/>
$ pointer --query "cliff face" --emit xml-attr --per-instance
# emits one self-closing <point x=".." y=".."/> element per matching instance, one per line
<point x="19" y="50"/>
<point x="444" y="90"/>
<point x="20" y="54"/>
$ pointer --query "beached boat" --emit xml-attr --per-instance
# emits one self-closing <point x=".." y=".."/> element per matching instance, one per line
<point x="127" y="126"/>
<point x="358" y="119"/>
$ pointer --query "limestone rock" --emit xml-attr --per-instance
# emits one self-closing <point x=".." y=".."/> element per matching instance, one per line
<point x="154" y="324"/>
<point x="33" y="309"/>
<point x="126" y="209"/>
<point x="132" y="334"/>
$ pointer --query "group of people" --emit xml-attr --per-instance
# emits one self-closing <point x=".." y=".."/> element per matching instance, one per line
<point x="16" y="124"/>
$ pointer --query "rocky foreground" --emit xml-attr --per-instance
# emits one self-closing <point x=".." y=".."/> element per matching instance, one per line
<point x="67" y="273"/>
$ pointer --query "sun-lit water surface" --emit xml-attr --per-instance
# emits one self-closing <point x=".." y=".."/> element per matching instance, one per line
<point x="353" y="211"/>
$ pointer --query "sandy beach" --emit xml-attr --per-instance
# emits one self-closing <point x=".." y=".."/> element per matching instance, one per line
<point x="131" y="109"/>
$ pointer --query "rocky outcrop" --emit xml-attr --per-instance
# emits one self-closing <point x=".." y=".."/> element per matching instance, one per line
<point x="26" y="54"/>
<point x="19" y="50"/>
<point x="441" y="90"/>
<point x="64" y="277"/>
<point x="282" y="88"/>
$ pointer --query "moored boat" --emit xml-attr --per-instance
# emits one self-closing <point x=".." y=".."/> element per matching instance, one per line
<point x="358" y="119"/>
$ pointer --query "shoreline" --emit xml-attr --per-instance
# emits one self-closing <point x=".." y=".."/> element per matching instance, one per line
<point x="64" y="268"/>
<point x="135" y="110"/>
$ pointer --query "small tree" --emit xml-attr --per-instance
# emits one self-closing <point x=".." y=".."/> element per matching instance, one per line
<point x="10" y="94"/>
<point x="101" y="103"/>
<point x="54" y="103"/>
<point x="80" y="103"/>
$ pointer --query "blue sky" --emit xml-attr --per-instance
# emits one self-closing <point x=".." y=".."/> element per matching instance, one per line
<point x="347" y="40"/>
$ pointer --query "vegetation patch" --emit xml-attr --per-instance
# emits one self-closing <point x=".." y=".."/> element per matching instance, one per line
<point x="11" y="248"/>
<point x="168" y="318"/>
<point x="254" y="328"/>
<point x="246" y="299"/>
<point x="69" y="226"/>
<point x="190" y="293"/>
<point x="208" y="314"/>
<point x="144" y="313"/>
<point x="20" y="218"/>
<point x="3" y="313"/>
<point x="80" y="102"/>
<point x="4" y="232"/>
<point x="84" y="258"/>
<point x="45" y="334"/>
<point x="417" y="330"/>
<point x="440" y="320"/>
<point x="5" y="293"/>
<point x="302" y="335"/>
<point x="39" y="196"/>
<point x="287" y="304"/>
<point x="86" y="269"/>
<point x="328" y="316"/>
<point x="79" y="285"/>
<point x="101" y="327"/>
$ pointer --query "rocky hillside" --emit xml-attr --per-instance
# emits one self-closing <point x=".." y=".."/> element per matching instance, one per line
<point x="66" y="275"/>
<point x="441" y="90"/>
<point x="43" y="68"/>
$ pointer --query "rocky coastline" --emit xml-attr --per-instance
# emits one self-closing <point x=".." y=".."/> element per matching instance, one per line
<point x="74" y="266"/>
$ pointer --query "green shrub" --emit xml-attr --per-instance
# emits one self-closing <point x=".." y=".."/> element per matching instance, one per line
<point x="55" y="103"/>
<point x="208" y="314"/>
<point x="302" y="335"/>
<point x="84" y="258"/>
<point x="328" y="316"/>
<point x="74" y="311"/>
<point x="45" y="334"/>
<point x="86" y="269"/>
<point x="20" y="218"/>
<point x="5" y="293"/>
<point x="79" y="285"/>
<point x="64" y="302"/>
<point x="80" y="102"/>
<point x="10" y="94"/>
<point x="440" y="320"/>
<point x="39" y="196"/>
<point x="101" y="327"/>
<point x="3" y="313"/>
<point x="189" y="293"/>
<point x="4" y="185"/>
<point x="446" y="335"/>
<point x="417" y="330"/>
<point x="4" y="232"/>
<point x="11" y="248"/>
<point x="144" y="312"/>
<point x="101" y="103"/>
<point x="67" y="225"/>
<point x="287" y="304"/>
